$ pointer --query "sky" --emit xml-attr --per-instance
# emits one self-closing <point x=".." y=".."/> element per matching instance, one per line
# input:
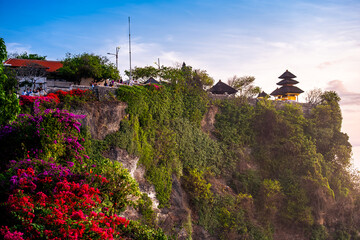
<point x="317" y="40"/>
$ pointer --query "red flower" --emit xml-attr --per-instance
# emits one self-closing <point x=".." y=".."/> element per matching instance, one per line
<point x="79" y="215"/>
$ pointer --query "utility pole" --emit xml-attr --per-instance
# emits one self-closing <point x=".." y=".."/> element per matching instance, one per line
<point x="117" y="57"/>
<point x="130" y="52"/>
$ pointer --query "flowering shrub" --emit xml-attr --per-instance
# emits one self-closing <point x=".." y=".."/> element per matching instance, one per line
<point x="75" y="95"/>
<point x="49" y="187"/>
<point x="153" y="87"/>
<point x="51" y="100"/>
<point x="50" y="133"/>
<point x="47" y="204"/>
<point x="8" y="235"/>
<point x="73" y="92"/>
<point x="29" y="100"/>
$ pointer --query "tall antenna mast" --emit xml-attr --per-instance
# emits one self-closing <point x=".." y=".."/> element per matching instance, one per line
<point x="159" y="68"/>
<point x="130" y="50"/>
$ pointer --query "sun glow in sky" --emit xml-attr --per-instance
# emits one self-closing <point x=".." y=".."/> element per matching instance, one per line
<point x="317" y="40"/>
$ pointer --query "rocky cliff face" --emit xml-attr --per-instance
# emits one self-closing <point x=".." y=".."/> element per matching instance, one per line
<point x="102" y="118"/>
<point x="178" y="219"/>
<point x="208" y="121"/>
<point x="173" y="220"/>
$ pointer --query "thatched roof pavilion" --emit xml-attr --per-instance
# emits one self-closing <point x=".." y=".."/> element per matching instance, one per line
<point x="222" y="88"/>
<point x="151" y="80"/>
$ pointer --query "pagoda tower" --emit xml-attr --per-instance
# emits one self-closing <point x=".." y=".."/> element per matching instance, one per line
<point x="287" y="91"/>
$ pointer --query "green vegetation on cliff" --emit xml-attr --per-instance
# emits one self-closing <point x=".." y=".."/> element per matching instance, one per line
<point x="285" y="170"/>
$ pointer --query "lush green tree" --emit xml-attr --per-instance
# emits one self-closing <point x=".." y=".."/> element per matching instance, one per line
<point x="9" y="103"/>
<point x="143" y="72"/>
<point x="25" y="55"/>
<point x="245" y="85"/>
<point x="172" y="73"/>
<point x="205" y="79"/>
<point x="325" y="127"/>
<point x="331" y="143"/>
<point x="76" y="67"/>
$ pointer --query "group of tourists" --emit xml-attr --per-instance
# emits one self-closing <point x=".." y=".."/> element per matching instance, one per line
<point x="107" y="83"/>
<point x="112" y="82"/>
<point x="35" y="92"/>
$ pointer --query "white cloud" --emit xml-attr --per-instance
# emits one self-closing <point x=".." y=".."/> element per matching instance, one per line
<point x="17" y="48"/>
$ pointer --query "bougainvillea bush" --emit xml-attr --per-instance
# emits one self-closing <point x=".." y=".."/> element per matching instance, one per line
<point x="50" y="189"/>
<point x="52" y="100"/>
<point x="45" y="134"/>
<point x="48" y="201"/>
<point x="49" y="101"/>
<point x="75" y="96"/>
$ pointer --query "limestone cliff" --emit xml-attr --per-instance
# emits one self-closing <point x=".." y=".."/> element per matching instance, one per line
<point x="102" y="118"/>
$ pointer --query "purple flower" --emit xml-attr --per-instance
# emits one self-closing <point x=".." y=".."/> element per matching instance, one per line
<point x="14" y="180"/>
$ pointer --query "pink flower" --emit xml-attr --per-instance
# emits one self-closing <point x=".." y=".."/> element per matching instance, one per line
<point x="11" y="236"/>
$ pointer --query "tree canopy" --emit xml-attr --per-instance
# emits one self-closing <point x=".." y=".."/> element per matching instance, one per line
<point x="172" y="73"/>
<point x="245" y="85"/>
<point x="9" y="103"/>
<point x="76" y="67"/>
<point x="143" y="72"/>
<point x="25" y="55"/>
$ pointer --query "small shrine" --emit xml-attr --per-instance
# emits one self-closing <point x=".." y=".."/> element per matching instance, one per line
<point x="151" y="80"/>
<point x="287" y="91"/>
<point x="263" y="95"/>
<point x="222" y="88"/>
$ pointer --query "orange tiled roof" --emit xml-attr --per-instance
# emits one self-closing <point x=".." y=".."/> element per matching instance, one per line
<point x="51" y="66"/>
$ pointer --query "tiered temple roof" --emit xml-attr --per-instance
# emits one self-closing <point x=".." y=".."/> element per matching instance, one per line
<point x="287" y="91"/>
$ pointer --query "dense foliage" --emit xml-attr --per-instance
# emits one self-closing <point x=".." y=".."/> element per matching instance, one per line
<point x="9" y="104"/>
<point x="297" y="172"/>
<point x="162" y="128"/>
<point x="76" y="67"/>
<point x="284" y="169"/>
<point x="244" y="85"/>
<point x="169" y="73"/>
<point x="25" y="55"/>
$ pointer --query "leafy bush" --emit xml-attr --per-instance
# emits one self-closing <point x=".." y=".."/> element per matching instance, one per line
<point x="135" y="230"/>
<point x="52" y="190"/>
<point x="318" y="232"/>
<point x="246" y="182"/>
<point x="233" y="124"/>
<point x="9" y="103"/>
<point x="197" y="187"/>
<point x="145" y="208"/>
